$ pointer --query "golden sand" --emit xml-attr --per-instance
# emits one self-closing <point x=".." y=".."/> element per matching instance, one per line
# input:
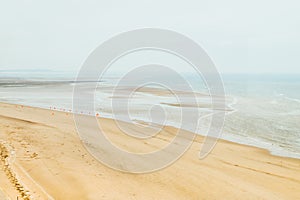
<point x="43" y="158"/>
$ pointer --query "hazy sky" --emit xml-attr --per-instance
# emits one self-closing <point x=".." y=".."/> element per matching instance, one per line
<point x="254" y="36"/>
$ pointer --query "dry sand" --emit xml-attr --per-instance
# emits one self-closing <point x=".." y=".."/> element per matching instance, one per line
<point x="43" y="158"/>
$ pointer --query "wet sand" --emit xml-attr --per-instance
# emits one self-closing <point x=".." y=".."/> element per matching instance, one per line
<point x="43" y="158"/>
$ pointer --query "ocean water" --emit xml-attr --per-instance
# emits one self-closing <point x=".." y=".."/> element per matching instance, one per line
<point x="268" y="112"/>
<point x="261" y="110"/>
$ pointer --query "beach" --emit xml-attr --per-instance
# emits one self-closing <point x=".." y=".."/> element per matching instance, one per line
<point x="117" y="101"/>
<point x="45" y="155"/>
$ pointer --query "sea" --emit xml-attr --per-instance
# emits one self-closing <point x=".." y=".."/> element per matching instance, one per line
<point x="262" y="110"/>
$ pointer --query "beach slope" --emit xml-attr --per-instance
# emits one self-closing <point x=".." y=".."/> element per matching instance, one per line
<point x="43" y="158"/>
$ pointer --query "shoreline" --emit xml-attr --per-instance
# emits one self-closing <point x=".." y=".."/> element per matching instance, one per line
<point x="48" y="149"/>
<point x="230" y="137"/>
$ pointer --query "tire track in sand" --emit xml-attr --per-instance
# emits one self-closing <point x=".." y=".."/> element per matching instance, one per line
<point x="5" y="156"/>
<point x="6" y="159"/>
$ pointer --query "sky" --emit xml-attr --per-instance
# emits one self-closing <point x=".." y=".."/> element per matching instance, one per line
<point x="240" y="36"/>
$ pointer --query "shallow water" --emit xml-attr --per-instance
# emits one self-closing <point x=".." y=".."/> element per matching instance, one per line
<point x="262" y="110"/>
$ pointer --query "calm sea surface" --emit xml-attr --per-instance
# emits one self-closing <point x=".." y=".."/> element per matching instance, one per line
<point x="262" y="110"/>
